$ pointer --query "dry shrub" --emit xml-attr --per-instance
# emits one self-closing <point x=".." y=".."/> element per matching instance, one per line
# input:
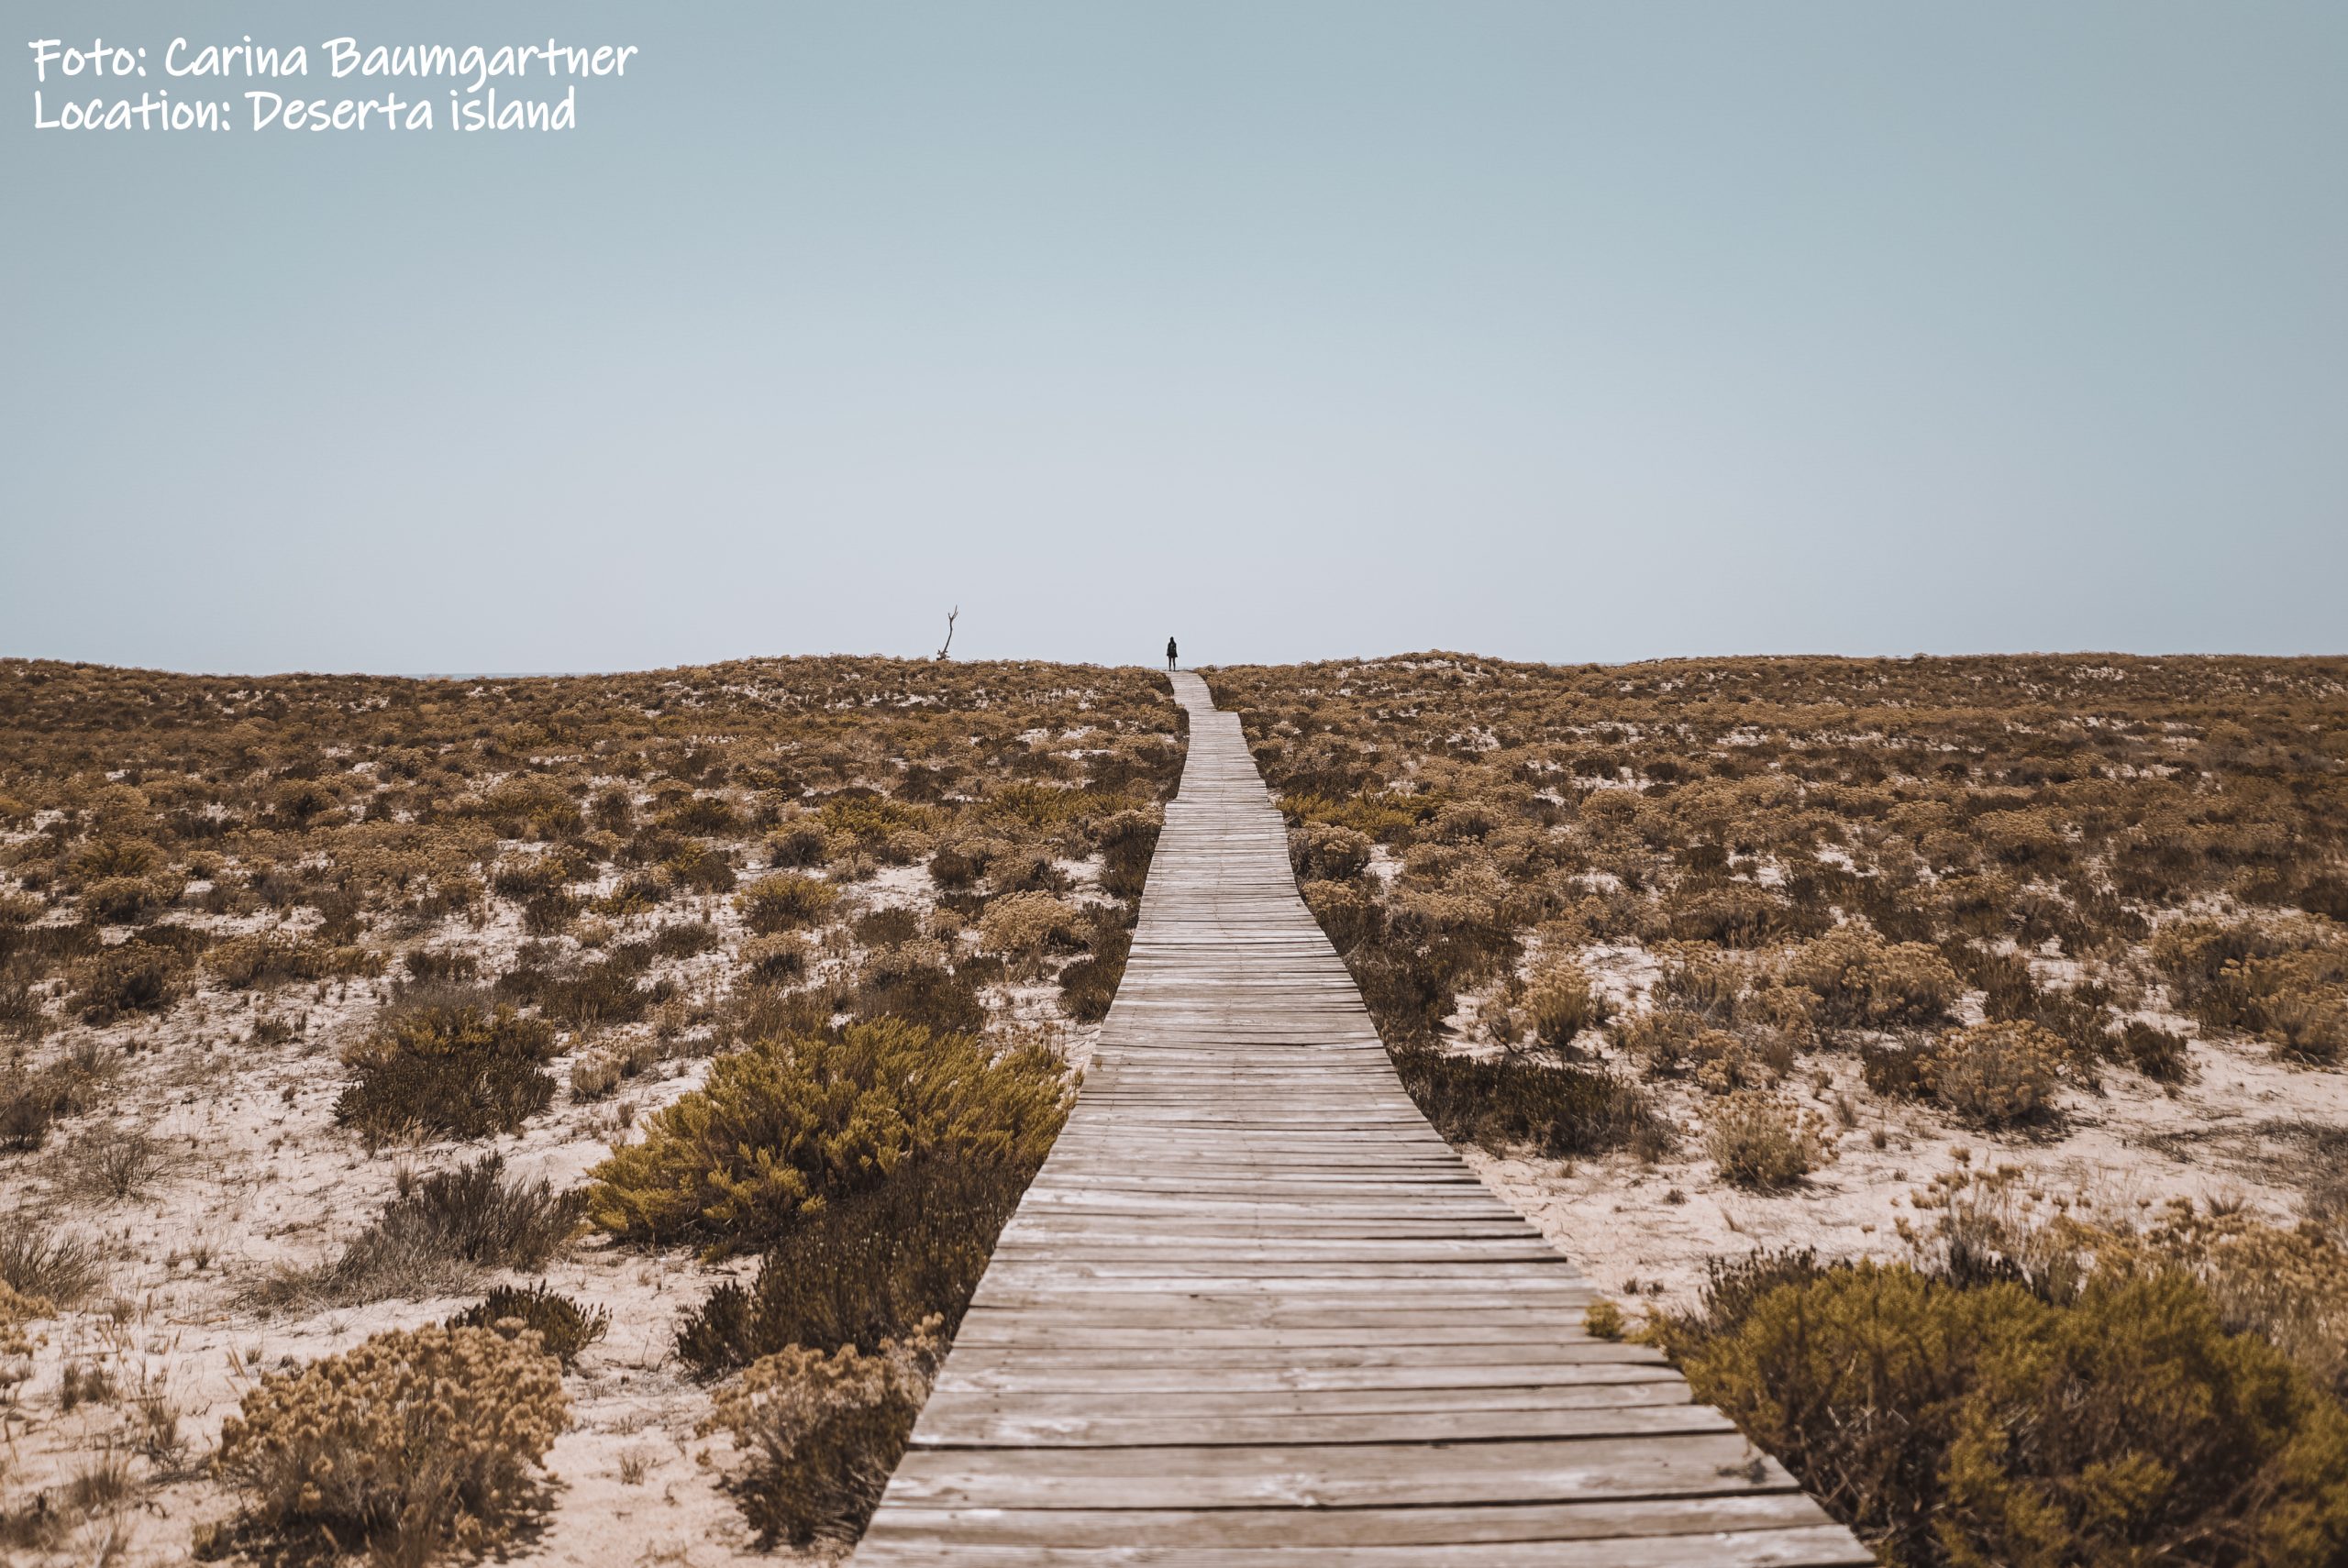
<point x="774" y="960"/>
<point x="50" y="1265"/>
<point x="1766" y="1141"/>
<point x="1325" y="852"/>
<point x="1019" y="927"/>
<point x="439" y="1232"/>
<point x="2160" y="1055"/>
<point x="16" y="1310"/>
<point x="2289" y="1286"/>
<point x="1127" y="841"/>
<point x="1861" y="980"/>
<point x="1559" y="1003"/>
<point x="2285" y="981"/>
<point x="865" y="1268"/>
<point x="1733" y="914"/>
<point x="131" y="977"/>
<point x="32" y="1098"/>
<point x="116" y="1161"/>
<point x="785" y="902"/>
<point x="798" y="845"/>
<point x="1089" y="985"/>
<point x="1985" y="1426"/>
<point x="415" y="1442"/>
<point x="130" y="900"/>
<point x="595" y="1075"/>
<point x="787" y="1125"/>
<point x="818" y="1435"/>
<point x="1994" y="1075"/>
<point x="913" y="981"/>
<point x="275" y="957"/>
<point x="564" y="1327"/>
<point x="1506" y="1103"/>
<point x="453" y="1067"/>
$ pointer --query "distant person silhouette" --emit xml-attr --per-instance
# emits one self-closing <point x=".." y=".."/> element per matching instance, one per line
<point x="1170" y="653"/>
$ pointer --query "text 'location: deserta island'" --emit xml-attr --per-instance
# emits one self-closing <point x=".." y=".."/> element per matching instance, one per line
<point x="464" y="87"/>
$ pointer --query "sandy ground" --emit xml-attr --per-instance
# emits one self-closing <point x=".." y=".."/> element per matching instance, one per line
<point x="1647" y="1231"/>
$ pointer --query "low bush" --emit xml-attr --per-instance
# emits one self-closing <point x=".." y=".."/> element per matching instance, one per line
<point x="440" y="966"/>
<point x="864" y="1269"/>
<point x="1560" y="1111"/>
<point x="1020" y="927"/>
<point x="819" y="1434"/>
<point x="798" y="845"/>
<point x="774" y="960"/>
<point x="22" y="1017"/>
<point x="1325" y="852"/>
<point x="131" y="977"/>
<point x="1985" y="1424"/>
<point x="1559" y="1003"/>
<point x="30" y="1101"/>
<point x="564" y="1327"/>
<point x="415" y="1442"/>
<point x="2160" y="1055"/>
<point x="16" y="1310"/>
<point x="787" y="1125"/>
<point x="1995" y="1075"/>
<point x="913" y="981"/>
<point x="1089" y="985"/>
<point x="435" y="1235"/>
<point x="785" y="902"/>
<point x="52" y="1265"/>
<point x="455" y="1067"/>
<point x="1766" y="1141"/>
<point x="1861" y="980"/>
<point x="276" y="957"/>
<point x="1127" y="841"/>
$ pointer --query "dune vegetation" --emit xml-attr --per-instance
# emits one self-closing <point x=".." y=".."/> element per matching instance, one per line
<point x="414" y="1091"/>
<point x="1945" y="1059"/>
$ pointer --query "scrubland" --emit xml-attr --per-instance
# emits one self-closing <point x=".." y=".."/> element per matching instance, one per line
<point x="561" y="1117"/>
<point x="1945" y="1060"/>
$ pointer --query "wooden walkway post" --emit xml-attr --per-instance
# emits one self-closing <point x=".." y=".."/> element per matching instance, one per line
<point x="1255" y="1311"/>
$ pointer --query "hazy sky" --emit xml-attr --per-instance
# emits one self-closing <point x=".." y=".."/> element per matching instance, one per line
<point x="1550" y="330"/>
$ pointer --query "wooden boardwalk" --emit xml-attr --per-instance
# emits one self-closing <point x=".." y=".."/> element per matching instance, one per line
<point x="1254" y="1310"/>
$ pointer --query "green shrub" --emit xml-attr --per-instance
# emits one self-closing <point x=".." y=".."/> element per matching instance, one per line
<point x="820" y="1434"/>
<point x="785" y="1126"/>
<point x="785" y="902"/>
<point x="1985" y="1426"/>
<point x="863" y="1269"/>
<point x="416" y="1443"/>
<point x="457" y="1067"/>
<point x="564" y="1328"/>
<point x="1503" y="1103"/>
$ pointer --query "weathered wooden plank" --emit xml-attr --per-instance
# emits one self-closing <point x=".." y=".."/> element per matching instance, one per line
<point x="1255" y="1311"/>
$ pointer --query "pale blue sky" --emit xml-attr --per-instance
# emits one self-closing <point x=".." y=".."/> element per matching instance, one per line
<point x="1554" y="331"/>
